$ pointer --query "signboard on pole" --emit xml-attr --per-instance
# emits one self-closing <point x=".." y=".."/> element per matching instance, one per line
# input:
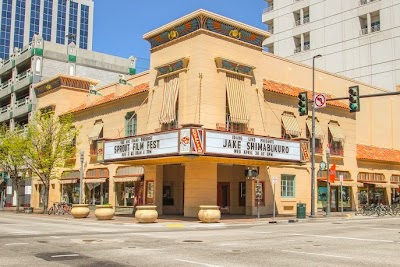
<point x="320" y="100"/>
<point x="274" y="179"/>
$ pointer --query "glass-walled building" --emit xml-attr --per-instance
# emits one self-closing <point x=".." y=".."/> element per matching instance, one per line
<point x="59" y="21"/>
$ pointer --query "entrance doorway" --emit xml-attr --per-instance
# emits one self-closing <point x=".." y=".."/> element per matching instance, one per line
<point x="223" y="196"/>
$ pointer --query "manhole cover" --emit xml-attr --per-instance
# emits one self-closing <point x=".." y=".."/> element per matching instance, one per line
<point x="192" y="241"/>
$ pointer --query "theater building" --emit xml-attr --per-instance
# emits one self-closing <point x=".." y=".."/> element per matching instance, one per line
<point x="214" y="106"/>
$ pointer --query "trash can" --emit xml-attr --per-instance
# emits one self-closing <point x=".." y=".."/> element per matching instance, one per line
<point x="301" y="211"/>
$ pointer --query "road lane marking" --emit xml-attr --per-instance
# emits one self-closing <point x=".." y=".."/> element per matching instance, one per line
<point x="199" y="263"/>
<point x="65" y="255"/>
<point x="348" y="238"/>
<point x="15" y="244"/>
<point x="317" y="254"/>
<point x="375" y="228"/>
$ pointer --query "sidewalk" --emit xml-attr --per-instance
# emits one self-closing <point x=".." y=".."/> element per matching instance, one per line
<point x="225" y="218"/>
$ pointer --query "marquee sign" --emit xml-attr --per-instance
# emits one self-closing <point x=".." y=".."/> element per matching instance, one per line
<point x="141" y="146"/>
<point x="199" y="141"/>
<point x="251" y="146"/>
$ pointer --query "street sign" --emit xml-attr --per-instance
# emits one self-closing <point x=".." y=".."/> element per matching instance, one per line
<point x="274" y="179"/>
<point x="320" y="100"/>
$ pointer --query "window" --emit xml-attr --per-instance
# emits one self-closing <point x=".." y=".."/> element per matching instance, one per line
<point x="47" y="19"/>
<point x="61" y="14"/>
<point x="5" y="29"/>
<point x="73" y="21"/>
<point x="335" y="139"/>
<point x="287" y="185"/>
<point x="169" y="111"/>
<point x="319" y="134"/>
<point x="83" y="35"/>
<point x="130" y="124"/>
<point x="96" y="133"/>
<point x="19" y="24"/>
<point x="290" y="127"/>
<point x="365" y="176"/>
<point x="35" y="18"/>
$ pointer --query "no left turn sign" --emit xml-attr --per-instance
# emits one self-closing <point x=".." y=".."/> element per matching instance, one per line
<point x="320" y="100"/>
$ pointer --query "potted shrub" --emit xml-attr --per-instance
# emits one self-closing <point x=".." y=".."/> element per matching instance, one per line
<point x="146" y="214"/>
<point x="79" y="211"/>
<point x="104" y="212"/>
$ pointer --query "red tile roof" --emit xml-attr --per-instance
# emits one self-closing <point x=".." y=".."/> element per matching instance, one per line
<point x="111" y="97"/>
<point x="286" y="89"/>
<point x="378" y="154"/>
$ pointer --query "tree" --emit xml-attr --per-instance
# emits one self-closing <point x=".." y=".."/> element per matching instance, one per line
<point x="13" y="146"/>
<point x="51" y="143"/>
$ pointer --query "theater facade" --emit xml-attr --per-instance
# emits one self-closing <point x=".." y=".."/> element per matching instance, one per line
<point x="213" y="109"/>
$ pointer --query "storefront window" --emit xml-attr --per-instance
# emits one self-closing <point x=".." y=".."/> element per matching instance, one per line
<point x="125" y="193"/>
<point x="322" y="197"/>
<point x="346" y="197"/>
<point x="70" y="193"/>
<point x="96" y="193"/>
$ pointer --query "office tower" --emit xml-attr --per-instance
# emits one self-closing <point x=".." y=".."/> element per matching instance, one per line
<point x="356" y="38"/>
<point x="59" y="21"/>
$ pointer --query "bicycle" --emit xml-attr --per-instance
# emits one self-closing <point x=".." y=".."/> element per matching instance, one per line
<point x="56" y="209"/>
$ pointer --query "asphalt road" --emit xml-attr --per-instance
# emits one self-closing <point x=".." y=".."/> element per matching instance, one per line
<point x="32" y="240"/>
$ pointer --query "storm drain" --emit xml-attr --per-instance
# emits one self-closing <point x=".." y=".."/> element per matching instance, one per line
<point x="60" y="256"/>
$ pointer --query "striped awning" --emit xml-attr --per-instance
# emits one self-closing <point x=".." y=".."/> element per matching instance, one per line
<point x="68" y="181"/>
<point x="96" y="130"/>
<point x="126" y="179"/>
<point x="290" y="124"/>
<point x="319" y="134"/>
<point x="378" y="185"/>
<point x="336" y="132"/>
<point x="171" y="91"/>
<point x="394" y="186"/>
<point x="128" y="174"/>
<point x="236" y="99"/>
<point x="94" y="180"/>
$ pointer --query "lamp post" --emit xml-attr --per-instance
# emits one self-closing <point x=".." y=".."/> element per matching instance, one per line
<point x="313" y="141"/>
<point x="328" y="187"/>
<point x="81" y="154"/>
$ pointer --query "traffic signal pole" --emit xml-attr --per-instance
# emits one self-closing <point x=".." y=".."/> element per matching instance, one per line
<point x="363" y="96"/>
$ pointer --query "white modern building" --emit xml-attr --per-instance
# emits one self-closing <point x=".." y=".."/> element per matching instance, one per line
<point x="359" y="39"/>
<point x="58" y="21"/>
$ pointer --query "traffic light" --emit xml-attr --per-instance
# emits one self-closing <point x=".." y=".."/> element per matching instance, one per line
<point x="303" y="105"/>
<point x="354" y="99"/>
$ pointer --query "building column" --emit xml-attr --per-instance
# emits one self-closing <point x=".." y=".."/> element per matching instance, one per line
<point x="153" y="187"/>
<point x="200" y="186"/>
<point x="301" y="16"/>
<point x="302" y="42"/>
<point x="369" y="22"/>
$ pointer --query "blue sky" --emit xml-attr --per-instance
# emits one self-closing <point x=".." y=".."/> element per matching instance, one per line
<point x="119" y="25"/>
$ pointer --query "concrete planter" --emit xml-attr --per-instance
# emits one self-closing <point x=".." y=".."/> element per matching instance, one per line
<point x="209" y="214"/>
<point x="79" y="211"/>
<point x="104" y="212"/>
<point x="146" y="214"/>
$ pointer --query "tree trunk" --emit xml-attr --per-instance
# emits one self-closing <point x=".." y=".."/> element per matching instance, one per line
<point x="46" y="197"/>
<point x="16" y="181"/>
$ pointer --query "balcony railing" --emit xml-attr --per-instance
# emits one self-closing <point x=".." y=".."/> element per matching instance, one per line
<point x="5" y="84"/>
<point x="306" y="47"/>
<point x="297" y="49"/>
<point x="363" y="2"/>
<point x="268" y="9"/>
<point x="21" y="102"/>
<point x="306" y="20"/>
<point x="271" y="30"/>
<point x="4" y="109"/>
<point x="23" y="75"/>
<point x="376" y="28"/>
<point x="297" y="23"/>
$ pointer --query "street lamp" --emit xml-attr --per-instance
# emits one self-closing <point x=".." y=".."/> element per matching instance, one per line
<point x="328" y="187"/>
<point x="81" y="154"/>
<point x="313" y="141"/>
